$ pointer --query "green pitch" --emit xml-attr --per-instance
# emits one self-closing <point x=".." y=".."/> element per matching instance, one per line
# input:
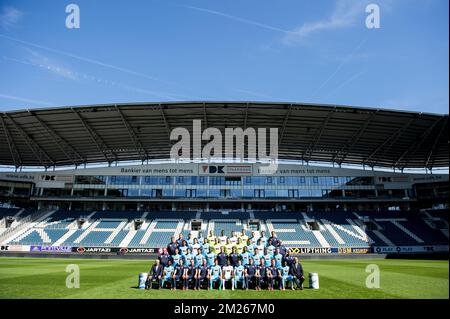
<point x="46" y="278"/>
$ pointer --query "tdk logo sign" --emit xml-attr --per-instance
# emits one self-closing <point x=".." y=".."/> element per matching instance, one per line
<point x="213" y="169"/>
<point x="234" y="170"/>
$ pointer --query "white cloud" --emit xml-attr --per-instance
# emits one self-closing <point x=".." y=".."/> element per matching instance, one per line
<point x="10" y="17"/>
<point x="346" y="13"/>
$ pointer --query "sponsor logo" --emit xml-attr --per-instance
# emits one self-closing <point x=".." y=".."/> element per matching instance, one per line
<point x="93" y="250"/>
<point x="57" y="249"/>
<point x="35" y="248"/>
<point x="410" y="249"/>
<point x="313" y="250"/>
<point x="4" y="248"/>
<point x="81" y="249"/>
<point x="354" y="250"/>
<point x="226" y="169"/>
<point x="64" y="249"/>
<point x="139" y="250"/>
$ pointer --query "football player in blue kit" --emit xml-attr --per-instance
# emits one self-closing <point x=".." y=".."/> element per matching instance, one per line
<point x="176" y="257"/>
<point x="167" y="275"/>
<point x="210" y="257"/>
<point x="215" y="275"/>
<point x="245" y="256"/>
<point x="239" y="275"/>
<point x="285" y="274"/>
<point x="198" y="259"/>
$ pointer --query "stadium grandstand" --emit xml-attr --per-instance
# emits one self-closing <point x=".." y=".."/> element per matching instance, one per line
<point x="349" y="179"/>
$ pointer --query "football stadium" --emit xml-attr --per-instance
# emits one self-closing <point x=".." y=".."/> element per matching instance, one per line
<point x="358" y="203"/>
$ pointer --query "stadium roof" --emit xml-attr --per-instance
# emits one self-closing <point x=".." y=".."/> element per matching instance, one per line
<point x="139" y="131"/>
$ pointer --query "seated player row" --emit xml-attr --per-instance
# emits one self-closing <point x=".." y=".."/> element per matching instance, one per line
<point x="258" y="275"/>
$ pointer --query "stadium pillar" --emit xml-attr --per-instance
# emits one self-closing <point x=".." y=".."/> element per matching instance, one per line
<point x="174" y="207"/>
<point x="242" y="207"/>
<point x="207" y="207"/>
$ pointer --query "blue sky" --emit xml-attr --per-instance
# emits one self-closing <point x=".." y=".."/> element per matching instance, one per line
<point x="254" y="50"/>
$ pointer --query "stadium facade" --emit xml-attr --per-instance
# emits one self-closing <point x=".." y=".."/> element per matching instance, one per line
<point x="100" y="202"/>
<point x="225" y="186"/>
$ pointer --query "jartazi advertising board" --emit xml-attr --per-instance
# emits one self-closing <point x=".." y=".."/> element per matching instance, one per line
<point x="83" y="250"/>
<point x="410" y="249"/>
<point x="123" y="250"/>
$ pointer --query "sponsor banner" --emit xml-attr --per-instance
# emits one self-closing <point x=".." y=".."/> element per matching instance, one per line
<point x="233" y="170"/>
<point x="83" y="250"/>
<point x="53" y="249"/>
<point x="410" y="249"/>
<point x="125" y="250"/>
<point x="321" y="250"/>
<point x="122" y="250"/>
<point x="15" y="248"/>
<point x="354" y="250"/>
<point x="19" y="248"/>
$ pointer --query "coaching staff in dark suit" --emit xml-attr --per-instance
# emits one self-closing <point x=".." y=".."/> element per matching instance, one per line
<point x="297" y="273"/>
<point x="154" y="274"/>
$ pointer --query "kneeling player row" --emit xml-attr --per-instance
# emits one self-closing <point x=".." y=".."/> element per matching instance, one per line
<point x="248" y="276"/>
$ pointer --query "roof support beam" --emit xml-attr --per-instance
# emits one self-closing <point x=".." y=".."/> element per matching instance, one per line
<point x="99" y="143"/>
<point x="137" y="143"/>
<point x="316" y="139"/>
<point x="412" y="149"/>
<point x="11" y="145"/>
<point x="61" y="143"/>
<point x="35" y="148"/>
<point x="433" y="148"/>
<point x="394" y="137"/>
<point x="166" y="123"/>
<point x="245" y="116"/>
<point x="283" y="128"/>
<point x="354" y="139"/>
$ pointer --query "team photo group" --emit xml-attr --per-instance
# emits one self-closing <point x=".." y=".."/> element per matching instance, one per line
<point x="221" y="262"/>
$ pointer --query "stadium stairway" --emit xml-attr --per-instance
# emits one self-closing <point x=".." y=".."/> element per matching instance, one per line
<point x="25" y="224"/>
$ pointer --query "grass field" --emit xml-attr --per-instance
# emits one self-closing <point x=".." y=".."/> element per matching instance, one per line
<point x="45" y="278"/>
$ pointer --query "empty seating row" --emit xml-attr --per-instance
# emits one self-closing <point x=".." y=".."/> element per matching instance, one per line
<point x="335" y="229"/>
